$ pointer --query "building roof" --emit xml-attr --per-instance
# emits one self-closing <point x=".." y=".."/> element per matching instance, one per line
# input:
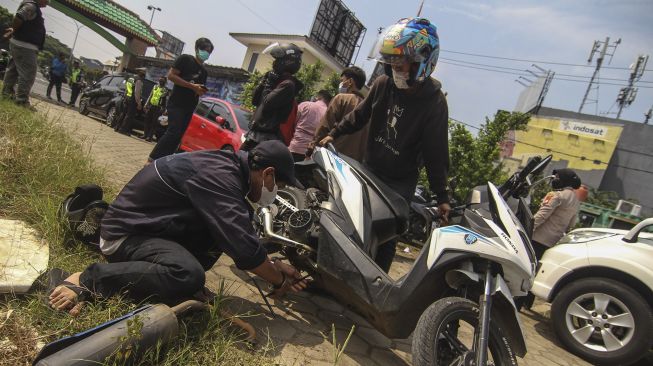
<point x="303" y="42"/>
<point x="115" y="17"/>
<point x="233" y="73"/>
<point x="552" y="112"/>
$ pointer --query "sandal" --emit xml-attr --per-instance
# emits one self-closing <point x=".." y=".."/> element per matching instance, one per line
<point x="57" y="277"/>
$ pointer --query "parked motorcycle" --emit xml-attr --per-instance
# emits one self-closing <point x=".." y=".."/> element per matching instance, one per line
<point x="457" y="297"/>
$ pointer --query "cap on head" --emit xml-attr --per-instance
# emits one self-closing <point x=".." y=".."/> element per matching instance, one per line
<point x="274" y="154"/>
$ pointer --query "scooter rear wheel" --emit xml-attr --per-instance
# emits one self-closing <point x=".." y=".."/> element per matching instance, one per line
<point x="445" y="331"/>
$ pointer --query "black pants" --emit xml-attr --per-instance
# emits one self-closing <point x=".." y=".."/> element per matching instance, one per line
<point x="146" y="268"/>
<point x="55" y="81"/>
<point x="539" y="249"/>
<point x="74" y="93"/>
<point x="406" y="189"/>
<point x="178" y="120"/>
<point x="151" y="121"/>
<point x="128" y="122"/>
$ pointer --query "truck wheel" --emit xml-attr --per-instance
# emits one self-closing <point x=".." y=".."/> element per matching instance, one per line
<point x="445" y="333"/>
<point x="603" y="321"/>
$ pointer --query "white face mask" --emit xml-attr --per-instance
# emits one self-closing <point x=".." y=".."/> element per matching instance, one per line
<point x="400" y="79"/>
<point x="342" y="88"/>
<point x="267" y="196"/>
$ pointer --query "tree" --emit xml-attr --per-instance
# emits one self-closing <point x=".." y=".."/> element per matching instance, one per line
<point x="248" y="90"/>
<point x="310" y="76"/>
<point x="475" y="160"/>
<point x="332" y="83"/>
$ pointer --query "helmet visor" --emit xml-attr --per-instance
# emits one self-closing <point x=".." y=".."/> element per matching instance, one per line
<point x="385" y="48"/>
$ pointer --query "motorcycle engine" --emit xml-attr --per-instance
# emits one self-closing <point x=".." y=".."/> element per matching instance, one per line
<point x="298" y="214"/>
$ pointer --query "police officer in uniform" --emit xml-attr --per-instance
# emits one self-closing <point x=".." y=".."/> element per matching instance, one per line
<point x="133" y="92"/>
<point x="75" y="82"/>
<point x="154" y="107"/>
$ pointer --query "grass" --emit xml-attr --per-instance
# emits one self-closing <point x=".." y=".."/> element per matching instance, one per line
<point x="39" y="165"/>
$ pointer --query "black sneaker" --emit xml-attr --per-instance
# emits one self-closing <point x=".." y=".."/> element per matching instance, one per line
<point x="26" y="105"/>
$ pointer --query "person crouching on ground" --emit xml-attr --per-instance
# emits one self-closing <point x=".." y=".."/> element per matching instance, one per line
<point x="175" y="218"/>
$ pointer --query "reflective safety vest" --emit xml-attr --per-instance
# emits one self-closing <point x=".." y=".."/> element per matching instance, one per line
<point x="157" y="93"/>
<point x="129" y="87"/>
<point x="74" y="75"/>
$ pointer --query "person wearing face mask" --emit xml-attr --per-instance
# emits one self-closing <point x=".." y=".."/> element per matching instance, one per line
<point x="352" y="80"/>
<point x="154" y="107"/>
<point x="558" y="211"/>
<point x="407" y="115"/>
<point x="189" y="78"/>
<point x="175" y="218"/>
<point x="275" y="97"/>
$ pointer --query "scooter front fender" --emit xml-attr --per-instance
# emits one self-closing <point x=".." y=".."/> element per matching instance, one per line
<point x="505" y="312"/>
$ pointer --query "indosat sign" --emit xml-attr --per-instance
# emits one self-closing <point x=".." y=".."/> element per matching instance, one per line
<point x="583" y="128"/>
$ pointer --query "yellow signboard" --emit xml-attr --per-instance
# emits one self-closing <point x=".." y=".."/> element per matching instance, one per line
<point x="584" y="145"/>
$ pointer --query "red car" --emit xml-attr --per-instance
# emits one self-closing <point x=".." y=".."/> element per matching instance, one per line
<point x="216" y="124"/>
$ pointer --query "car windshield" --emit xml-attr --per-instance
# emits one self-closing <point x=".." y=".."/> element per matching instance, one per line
<point x="243" y="117"/>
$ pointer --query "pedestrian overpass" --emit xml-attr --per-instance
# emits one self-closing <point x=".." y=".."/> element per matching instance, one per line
<point x="100" y="14"/>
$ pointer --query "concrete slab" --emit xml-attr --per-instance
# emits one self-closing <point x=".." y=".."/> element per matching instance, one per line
<point x="23" y="256"/>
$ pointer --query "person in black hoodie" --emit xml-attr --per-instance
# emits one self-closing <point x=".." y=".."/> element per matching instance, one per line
<point x="275" y="97"/>
<point x="407" y="115"/>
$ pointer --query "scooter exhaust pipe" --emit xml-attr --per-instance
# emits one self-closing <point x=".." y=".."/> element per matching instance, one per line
<point x="158" y="325"/>
<point x="271" y="236"/>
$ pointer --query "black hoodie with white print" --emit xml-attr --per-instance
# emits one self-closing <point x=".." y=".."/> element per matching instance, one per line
<point x="408" y="130"/>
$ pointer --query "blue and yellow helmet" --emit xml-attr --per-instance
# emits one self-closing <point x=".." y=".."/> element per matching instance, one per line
<point x="410" y="39"/>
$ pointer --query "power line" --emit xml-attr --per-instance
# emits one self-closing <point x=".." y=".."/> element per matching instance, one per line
<point x="258" y="16"/>
<point x="522" y="70"/>
<point x="535" y="61"/>
<point x="525" y="74"/>
<point x="567" y="154"/>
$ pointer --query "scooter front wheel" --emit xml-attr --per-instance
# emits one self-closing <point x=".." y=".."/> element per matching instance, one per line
<point x="445" y="336"/>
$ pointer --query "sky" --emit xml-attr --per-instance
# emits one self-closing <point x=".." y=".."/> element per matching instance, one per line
<point x="555" y="31"/>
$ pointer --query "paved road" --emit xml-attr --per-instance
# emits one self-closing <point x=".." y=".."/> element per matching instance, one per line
<point x="300" y="330"/>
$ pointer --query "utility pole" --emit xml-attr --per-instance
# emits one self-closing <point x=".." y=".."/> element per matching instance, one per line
<point x="648" y="115"/>
<point x="72" y="50"/>
<point x="599" y="63"/>
<point x="627" y="95"/>
<point x="419" y="11"/>
<point x="154" y="9"/>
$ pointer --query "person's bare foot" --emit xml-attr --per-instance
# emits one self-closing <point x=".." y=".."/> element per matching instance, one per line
<point x="63" y="297"/>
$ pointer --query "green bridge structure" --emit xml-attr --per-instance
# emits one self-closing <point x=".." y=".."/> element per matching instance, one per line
<point x="100" y="14"/>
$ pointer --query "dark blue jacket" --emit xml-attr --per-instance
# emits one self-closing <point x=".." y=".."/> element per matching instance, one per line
<point x="196" y="199"/>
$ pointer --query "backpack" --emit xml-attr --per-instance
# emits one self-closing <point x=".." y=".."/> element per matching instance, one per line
<point x="287" y="128"/>
<point x="83" y="210"/>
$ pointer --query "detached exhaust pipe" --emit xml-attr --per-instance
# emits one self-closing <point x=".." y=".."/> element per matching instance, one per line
<point x="268" y="234"/>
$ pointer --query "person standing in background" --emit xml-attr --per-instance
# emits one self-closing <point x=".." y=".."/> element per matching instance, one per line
<point x="352" y="80"/>
<point x="309" y="114"/>
<point x="275" y="98"/>
<point x="154" y="107"/>
<point x="189" y="76"/>
<point x="558" y="211"/>
<point x="57" y="75"/>
<point x="27" y="36"/>
<point x="133" y="93"/>
<point x="75" y="82"/>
